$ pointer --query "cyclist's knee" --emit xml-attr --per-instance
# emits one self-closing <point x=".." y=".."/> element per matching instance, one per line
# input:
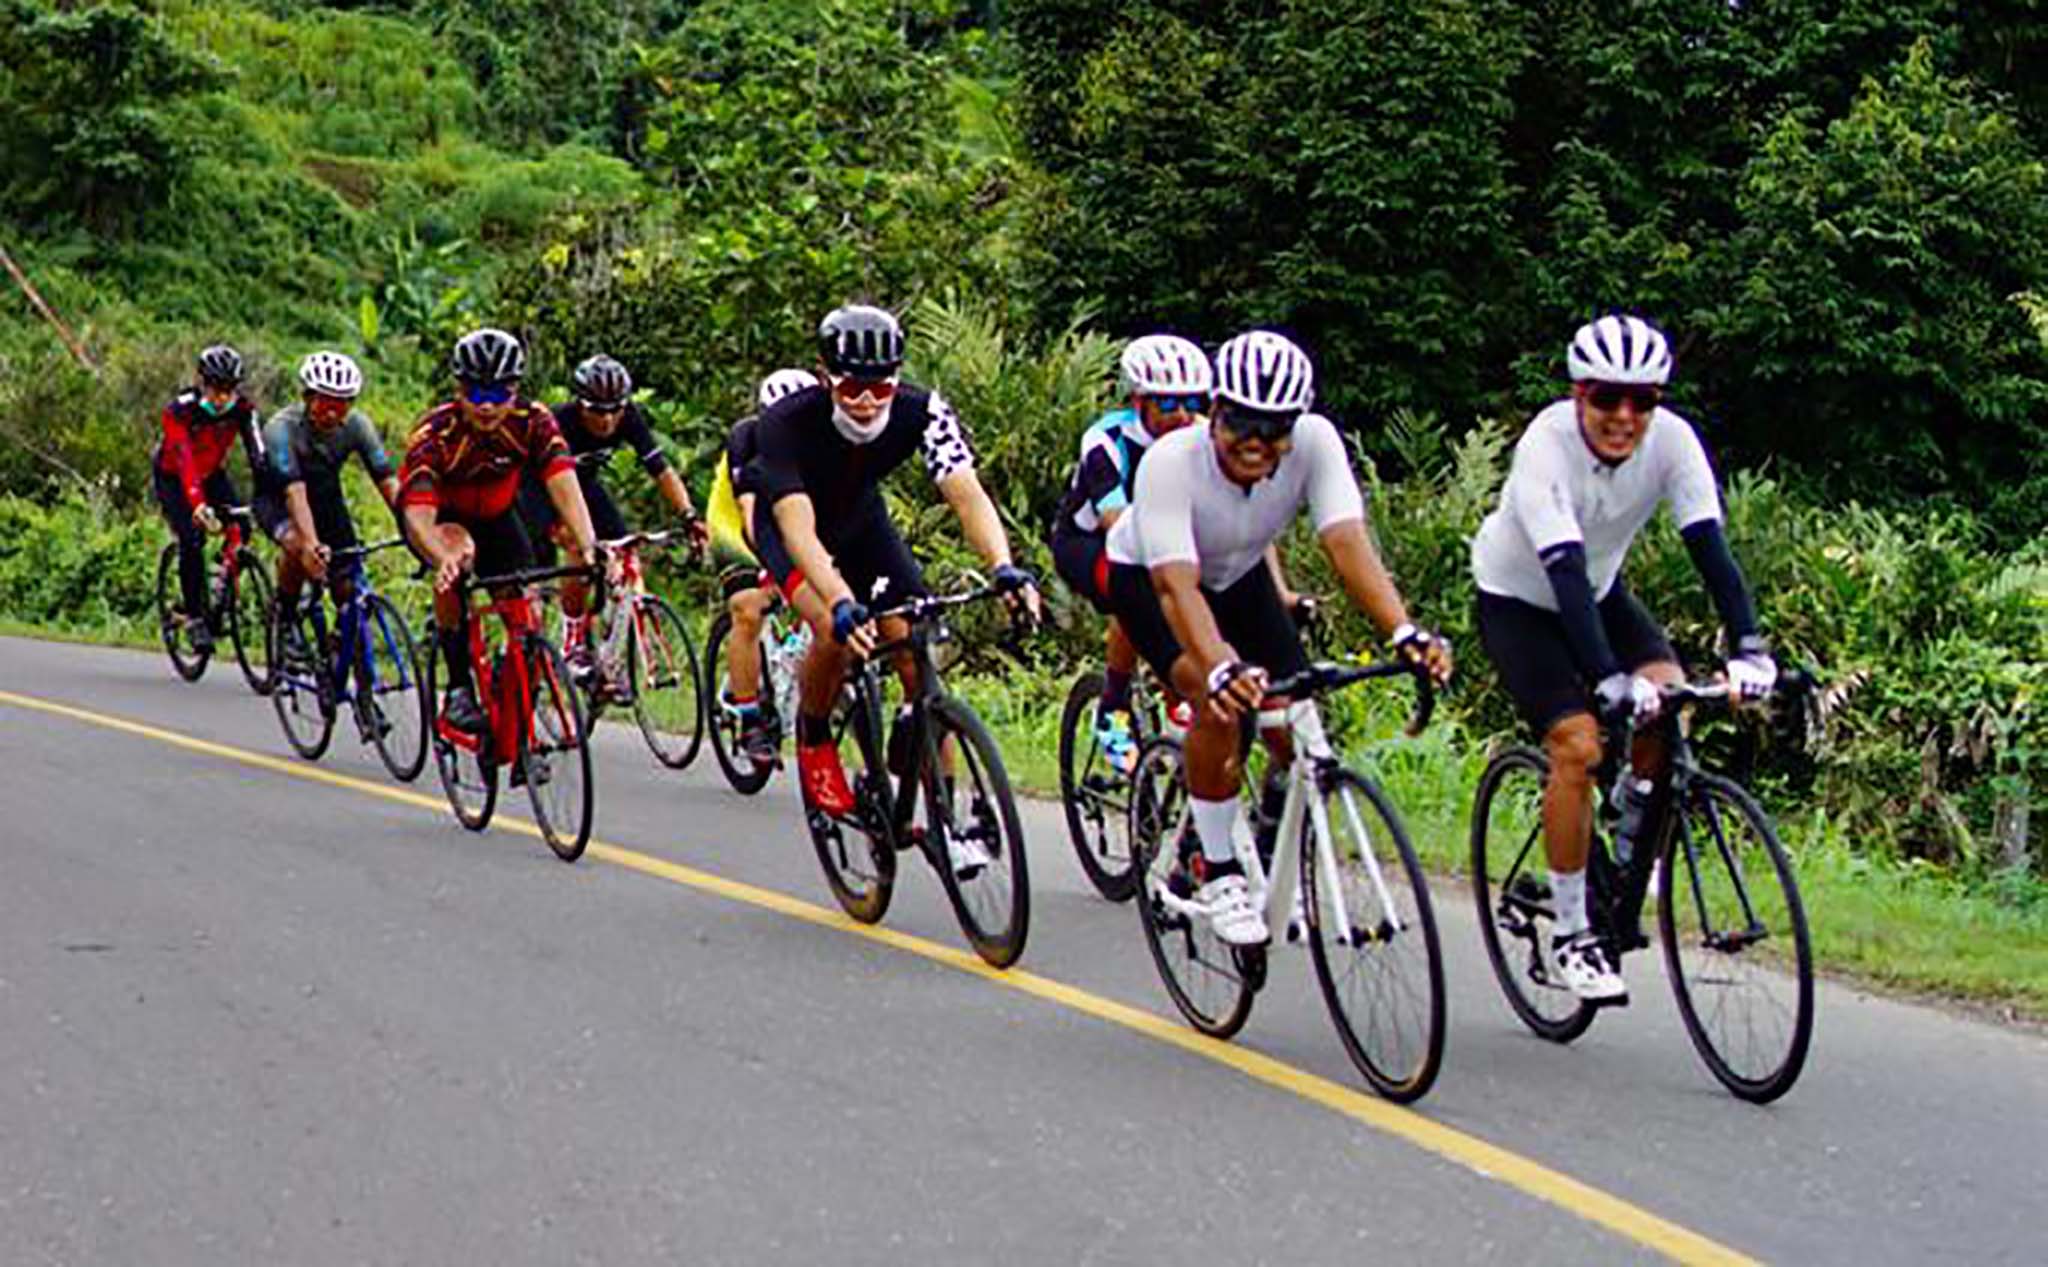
<point x="1573" y="746"/>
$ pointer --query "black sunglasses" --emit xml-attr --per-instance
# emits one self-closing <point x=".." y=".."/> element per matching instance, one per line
<point x="593" y="407"/>
<point x="1258" y="424"/>
<point x="1609" y="396"/>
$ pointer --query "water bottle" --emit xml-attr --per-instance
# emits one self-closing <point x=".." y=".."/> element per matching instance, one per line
<point x="1635" y="811"/>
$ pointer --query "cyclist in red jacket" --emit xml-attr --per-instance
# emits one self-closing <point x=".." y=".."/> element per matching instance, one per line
<point x="191" y="484"/>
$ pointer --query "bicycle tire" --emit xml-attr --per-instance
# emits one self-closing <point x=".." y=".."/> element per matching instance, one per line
<point x="554" y="752"/>
<point x="300" y="691"/>
<point x="1393" y="960"/>
<point x="1709" y="881"/>
<point x="1514" y="915"/>
<point x="1210" y="983"/>
<point x="1096" y="799"/>
<point x="394" y="676"/>
<point x="249" y="600"/>
<point x="993" y="904"/>
<point x="858" y="851"/>
<point x="187" y="661"/>
<point x="660" y="654"/>
<point x="741" y="774"/>
<point x="469" y="779"/>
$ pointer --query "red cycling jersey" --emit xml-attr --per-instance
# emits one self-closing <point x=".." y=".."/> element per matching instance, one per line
<point x="195" y="443"/>
<point x="474" y="473"/>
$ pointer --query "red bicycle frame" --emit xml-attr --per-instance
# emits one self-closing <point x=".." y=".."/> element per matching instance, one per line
<point x="506" y="690"/>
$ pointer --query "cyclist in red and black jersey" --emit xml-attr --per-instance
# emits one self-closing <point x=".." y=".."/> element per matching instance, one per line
<point x="190" y="478"/>
<point x="460" y="483"/>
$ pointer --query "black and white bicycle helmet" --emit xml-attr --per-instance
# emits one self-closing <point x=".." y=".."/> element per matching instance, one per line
<point x="220" y="364"/>
<point x="603" y="381"/>
<point x="861" y="340"/>
<point x="1265" y="371"/>
<point x="783" y="383"/>
<point x="1619" y="350"/>
<point x="488" y="355"/>
<point x="1166" y="364"/>
<point x="331" y="374"/>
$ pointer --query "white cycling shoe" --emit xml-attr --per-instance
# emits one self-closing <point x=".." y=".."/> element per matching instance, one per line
<point x="1579" y="961"/>
<point x="1227" y="902"/>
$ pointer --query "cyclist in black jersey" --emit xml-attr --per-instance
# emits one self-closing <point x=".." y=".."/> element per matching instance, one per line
<point x="821" y="528"/>
<point x="599" y="420"/>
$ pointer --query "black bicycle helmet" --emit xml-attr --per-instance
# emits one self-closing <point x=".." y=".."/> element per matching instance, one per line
<point x="488" y="355"/>
<point x="603" y="381"/>
<point x="862" y="341"/>
<point x="220" y="364"/>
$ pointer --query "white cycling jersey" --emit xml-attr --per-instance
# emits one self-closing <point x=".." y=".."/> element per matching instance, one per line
<point x="1186" y="510"/>
<point x="1558" y="491"/>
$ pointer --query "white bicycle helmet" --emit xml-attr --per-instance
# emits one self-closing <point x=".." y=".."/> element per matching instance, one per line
<point x="1265" y="371"/>
<point x="1165" y="364"/>
<point x="1619" y="350"/>
<point x="783" y="383"/>
<point x="331" y="374"/>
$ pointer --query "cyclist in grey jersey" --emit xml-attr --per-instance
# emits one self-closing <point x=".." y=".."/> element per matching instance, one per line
<point x="307" y="443"/>
<point x="1190" y="581"/>
<point x="1556" y="616"/>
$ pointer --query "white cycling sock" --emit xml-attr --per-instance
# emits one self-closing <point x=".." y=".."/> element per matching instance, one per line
<point x="1568" y="893"/>
<point x="1214" y="823"/>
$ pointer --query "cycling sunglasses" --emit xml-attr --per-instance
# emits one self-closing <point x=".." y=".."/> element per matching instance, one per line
<point x="598" y="407"/>
<point x="490" y="393"/>
<point x="1609" y="396"/>
<point x="1190" y="403"/>
<point x="848" y="389"/>
<point x="1258" y="424"/>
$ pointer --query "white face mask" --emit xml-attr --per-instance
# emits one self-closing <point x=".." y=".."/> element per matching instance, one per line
<point x="855" y="432"/>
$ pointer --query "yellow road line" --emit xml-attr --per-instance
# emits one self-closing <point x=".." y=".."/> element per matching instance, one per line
<point x="1488" y="1160"/>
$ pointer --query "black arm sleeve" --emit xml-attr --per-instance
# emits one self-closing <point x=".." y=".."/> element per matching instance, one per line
<point x="641" y="437"/>
<point x="1583" y="631"/>
<point x="1709" y="548"/>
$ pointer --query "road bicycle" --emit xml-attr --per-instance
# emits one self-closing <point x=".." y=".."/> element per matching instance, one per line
<point x="237" y="605"/>
<point x="536" y="723"/>
<point x="937" y="746"/>
<point x="1733" y="930"/>
<point x="1094" y="794"/>
<point x="1343" y="877"/>
<point x="643" y="658"/>
<point x="784" y="640"/>
<point x="364" y="660"/>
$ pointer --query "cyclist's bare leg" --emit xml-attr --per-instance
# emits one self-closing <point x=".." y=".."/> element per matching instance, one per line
<point x="749" y="610"/>
<point x="450" y="609"/>
<point x="824" y="666"/>
<point x="1573" y="746"/>
<point x="1213" y="765"/>
<point x="291" y="568"/>
<point x="575" y="590"/>
<point x="1650" y="753"/>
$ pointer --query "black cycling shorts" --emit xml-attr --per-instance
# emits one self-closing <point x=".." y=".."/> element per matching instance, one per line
<point x="1528" y="645"/>
<point x="1248" y="614"/>
<point x="1083" y="563"/>
<point x="538" y="512"/>
<point x="331" y="520"/>
<point x="867" y="550"/>
<point x="501" y="544"/>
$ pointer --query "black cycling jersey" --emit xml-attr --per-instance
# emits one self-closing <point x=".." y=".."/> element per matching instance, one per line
<point x="632" y="430"/>
<point x="739" y="454"/>
<point x="800" y="449"/>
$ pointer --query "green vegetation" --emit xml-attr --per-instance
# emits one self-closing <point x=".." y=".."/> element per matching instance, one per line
<point x="1834" y="205"/>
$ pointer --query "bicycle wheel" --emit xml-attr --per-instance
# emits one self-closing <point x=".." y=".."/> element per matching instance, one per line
<point x="390" y="698"/>
<point x="1735" y="941"/>
<point x="745" y="777"/>
<point x="1095" y="796"/>
<point x="973" y="806"/>
<point x="668" y="691"/>
<point x="1210" y="982"/>
<point x="187" y="661"/>
<point x="555" y="752"/>
<point x="1510" y="883"/>
<point x="300" y="690"/>
<point x="1372" y="934"/>
<point x="858" y="850"/>
<point x="249" y="620"/>
<point x="468" y="770"/>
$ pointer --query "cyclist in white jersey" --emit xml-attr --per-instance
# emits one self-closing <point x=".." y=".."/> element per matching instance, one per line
<point x="1555" y="615"/>
<point x="1190" y="582"/>
<point x="1168" y="380"/>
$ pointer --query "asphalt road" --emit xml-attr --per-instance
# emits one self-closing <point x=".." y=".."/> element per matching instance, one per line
<point x="252" y="1016"/>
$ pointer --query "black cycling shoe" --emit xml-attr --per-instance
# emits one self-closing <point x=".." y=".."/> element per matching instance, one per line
<point x="370" y="720"/>
<point x="199" y="635"/>
<point x="460" y="709"/>
<point x="758" y="741"/>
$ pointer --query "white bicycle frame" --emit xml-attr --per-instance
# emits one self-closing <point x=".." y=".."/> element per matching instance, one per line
<point x="1274" y="892"/>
